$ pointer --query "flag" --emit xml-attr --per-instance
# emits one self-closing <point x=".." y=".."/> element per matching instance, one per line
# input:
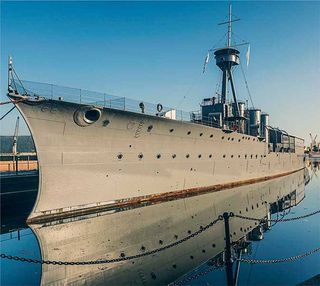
<point x="206" y="61"/>
<point x="248" y="55"/>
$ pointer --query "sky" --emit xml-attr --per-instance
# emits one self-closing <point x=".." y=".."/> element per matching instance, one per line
<point x="154" y="51"/>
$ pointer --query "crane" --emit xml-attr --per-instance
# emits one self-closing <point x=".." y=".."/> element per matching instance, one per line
<point x="313" y="139"/>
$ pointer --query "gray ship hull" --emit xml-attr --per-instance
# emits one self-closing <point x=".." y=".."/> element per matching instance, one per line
<point x="127" y="158"/>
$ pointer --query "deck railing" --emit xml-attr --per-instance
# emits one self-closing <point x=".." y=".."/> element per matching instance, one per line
<point x="82" y="96"/>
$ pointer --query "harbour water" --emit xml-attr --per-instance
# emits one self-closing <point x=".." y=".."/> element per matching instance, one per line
<point x="127" y="232"/>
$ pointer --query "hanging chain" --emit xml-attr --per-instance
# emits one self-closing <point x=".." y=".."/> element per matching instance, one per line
<point x="202" y="229"/>
<point x="195" y="276"/>
<point x="274" y="220"/>
<point x="271" y="261"/>
<point x="114" y="260"/>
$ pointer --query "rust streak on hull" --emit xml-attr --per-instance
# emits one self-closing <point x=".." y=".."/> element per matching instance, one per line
<point x="154" y="199"/>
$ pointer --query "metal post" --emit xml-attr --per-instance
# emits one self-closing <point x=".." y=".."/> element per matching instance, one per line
<point x="17" y="167"/>
<point x="229" y="261"/>
<point x="236" y="275"/>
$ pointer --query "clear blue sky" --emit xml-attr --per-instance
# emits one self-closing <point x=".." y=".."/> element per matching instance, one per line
<point x="154" y="51"/>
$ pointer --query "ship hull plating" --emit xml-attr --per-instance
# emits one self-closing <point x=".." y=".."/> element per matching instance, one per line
<point x="124" y="156"/>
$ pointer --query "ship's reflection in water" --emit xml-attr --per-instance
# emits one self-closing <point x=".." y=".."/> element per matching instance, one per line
<point x="126" y="232"/>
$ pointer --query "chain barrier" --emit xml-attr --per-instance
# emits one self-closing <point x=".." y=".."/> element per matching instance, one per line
<point x="154" y="251"/>
<point x="275" y="220"/>
<point x="282" y="260"/>
<point x="114" y="260"/>
<point x="195" y="276"/>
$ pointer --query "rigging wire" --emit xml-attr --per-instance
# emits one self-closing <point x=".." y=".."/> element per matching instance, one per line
<point x="7" y="112"/>
<point x="246" y="83"/>
<point x="194" y="82"/>
<point x="237" y="36"/>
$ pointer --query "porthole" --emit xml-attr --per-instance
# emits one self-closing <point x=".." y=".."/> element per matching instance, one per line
<point x="174" y="266"/>
<point x="213" y="245"/>
<point x="224" y="156"/>
<point x="228" y="138"/>
<point x="254" y="139"/>
<point x="242" y="137"/>
<point x="160" y="241"/>
<point x="92" y="115"/>
<point x="189" y="132"/>
<point x="120" y="156"/>
<point x="140" y="156"/>
<point x="211" y="135"/>
<point x="239" y="140"/>
<point x="189" y="231"/>
<point x="150" y="128"/>
<point x="158" y="156"/>
<point x="199" y="156"/>
<point x="191" y="257"/>
<point x="239" y="156"/>
<point x="251" y="156"/>
<point x="256" y="156"/>
<point x="203" y="251"/>
<point x="187" y="156"/>
<point x="232" y="139"/>
<point x="231" y="156"/>
<point x="210" y="155"/>
<point x="171" y="130"/>
<point x="245" y="156"/>
<point x="143" y="248"/>
<point x="222" y="137"/>
<point x="174" y="156"/>
<point x="201" y="134"/>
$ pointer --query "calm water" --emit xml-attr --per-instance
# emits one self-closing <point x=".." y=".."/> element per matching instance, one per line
<point x="283" y="240"/>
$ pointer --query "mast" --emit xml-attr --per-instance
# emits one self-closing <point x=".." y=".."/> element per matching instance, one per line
<point x="229" y="25"/>
<point x="226" y="58"/>
<point x="9" y="72"/>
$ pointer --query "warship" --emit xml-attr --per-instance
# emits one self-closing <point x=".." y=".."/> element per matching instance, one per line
<point x="98" y="152"/>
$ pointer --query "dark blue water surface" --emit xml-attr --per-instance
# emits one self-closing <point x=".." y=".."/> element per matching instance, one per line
<point x="18" y="273"/>
<point x="283" y="240"/>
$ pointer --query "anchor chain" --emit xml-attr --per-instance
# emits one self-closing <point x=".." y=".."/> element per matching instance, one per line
<point x="114" y="260"/>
